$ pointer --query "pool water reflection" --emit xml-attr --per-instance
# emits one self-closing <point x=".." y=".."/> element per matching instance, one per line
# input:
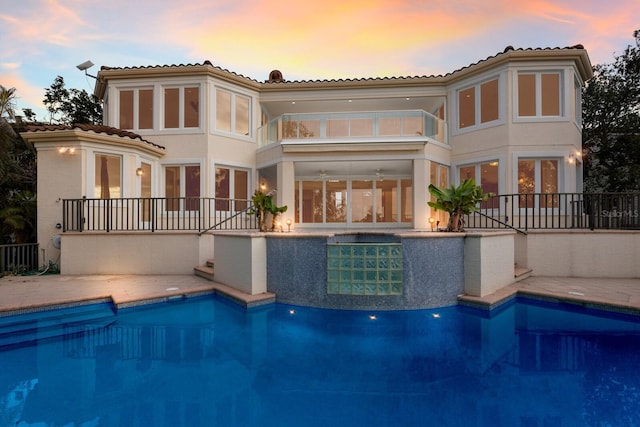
<point x="208" y="362"/>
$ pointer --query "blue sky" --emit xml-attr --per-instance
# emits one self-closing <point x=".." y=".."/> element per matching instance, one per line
<point x="42" y="39"/>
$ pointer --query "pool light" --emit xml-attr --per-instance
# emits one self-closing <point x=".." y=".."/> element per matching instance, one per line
<point x="436" y="315"/>
<point x="292" y="311"/>
<point x="372" y="317"/>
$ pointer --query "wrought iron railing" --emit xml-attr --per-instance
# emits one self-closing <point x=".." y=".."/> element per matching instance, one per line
<point x="18" y="258"/>
<point x="558" y="211"/>
<point x="157" y="214"/>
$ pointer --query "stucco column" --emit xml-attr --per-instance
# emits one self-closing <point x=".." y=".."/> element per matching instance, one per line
<point x="420" y="193"/>
<point x="286" y="190"/>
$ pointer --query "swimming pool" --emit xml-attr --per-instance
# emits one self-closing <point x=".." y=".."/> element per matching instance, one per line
<point x="207" y="362"/>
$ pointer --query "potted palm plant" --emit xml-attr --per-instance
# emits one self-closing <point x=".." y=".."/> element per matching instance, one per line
<point x="457" y="201"/>
<point x="265" y="208"/>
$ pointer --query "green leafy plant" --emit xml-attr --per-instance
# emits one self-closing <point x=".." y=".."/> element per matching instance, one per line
<point x="457" y="201"/>
<point x="263" y="204"/>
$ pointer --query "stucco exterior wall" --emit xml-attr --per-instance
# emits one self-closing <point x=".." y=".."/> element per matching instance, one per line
<point x="241" y="261"/>
<point x="129" y="253"/>
<point x="488" y="262"/>
<point x="599" y="253"/>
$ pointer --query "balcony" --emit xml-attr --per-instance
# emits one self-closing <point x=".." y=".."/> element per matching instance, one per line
<point x="382" y="126"/>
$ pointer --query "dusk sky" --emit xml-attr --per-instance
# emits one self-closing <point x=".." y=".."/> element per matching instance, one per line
<point x="306" y="40"/>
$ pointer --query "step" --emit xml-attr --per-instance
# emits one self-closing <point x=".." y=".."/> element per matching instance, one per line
<point x="33" y="326"/>
<point x="521" y="273"/>
<point x="205" y="271"/>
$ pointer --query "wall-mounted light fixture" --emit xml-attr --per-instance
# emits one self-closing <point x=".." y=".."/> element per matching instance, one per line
<point x="139" y="172"/>
<point x="263" y="186"/>
<point x="432" y="223"/>
<point x="67" y="150"/>
<point x="572" y="159"/>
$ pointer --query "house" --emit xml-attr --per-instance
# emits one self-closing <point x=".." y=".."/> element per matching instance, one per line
<point x="189" y="144"/>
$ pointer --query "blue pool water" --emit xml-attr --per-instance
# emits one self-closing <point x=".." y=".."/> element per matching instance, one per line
<point x="206" y="362"/>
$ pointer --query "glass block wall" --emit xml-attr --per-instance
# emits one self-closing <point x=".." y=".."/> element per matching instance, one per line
<point x="364" y="268"/>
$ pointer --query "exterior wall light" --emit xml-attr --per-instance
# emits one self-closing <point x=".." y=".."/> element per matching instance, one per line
<point x="139" y="172"/>
<point x="67" y="150"/>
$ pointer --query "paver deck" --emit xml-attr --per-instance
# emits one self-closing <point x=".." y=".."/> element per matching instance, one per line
<point x="31" y="293"/>
<point x="25" y="293"/>
<point x="611" y="294"/>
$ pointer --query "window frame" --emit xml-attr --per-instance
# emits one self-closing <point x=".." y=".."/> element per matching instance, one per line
<point x="181" y="87"/>
<point x="219" y="204"/>
<point x="233" y="112"/>
<point x="477" y="86"/>
<point x="136" y="106"/>
<point x="538" y="159"/>
<point x="538" y="73"/>
<point x="96" y="155"/>
<point x="181" y="209"/>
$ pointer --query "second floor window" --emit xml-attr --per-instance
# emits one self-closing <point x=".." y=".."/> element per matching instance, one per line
<point x="478" y="104"/>
<point x="539" y="94"/>
<point x="136" y="109"/>
<point x="181" y="107"/>
<point x="232" y="112"/>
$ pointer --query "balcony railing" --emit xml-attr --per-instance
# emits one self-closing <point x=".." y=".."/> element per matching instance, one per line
<point x="620" y="211"/>
<point x="157" y="214"/>
<point x="382" y="125"/>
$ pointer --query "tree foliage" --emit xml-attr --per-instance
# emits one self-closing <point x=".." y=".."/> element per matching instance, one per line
<point x="611" y="120"/>
<point x="69" y="106"/>
<point x="17" y="177"/>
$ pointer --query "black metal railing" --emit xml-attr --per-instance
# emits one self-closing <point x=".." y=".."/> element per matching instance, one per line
<point x="157" y="214"/>
<point x="18" y="258"/>
<point x="524" y="212"/>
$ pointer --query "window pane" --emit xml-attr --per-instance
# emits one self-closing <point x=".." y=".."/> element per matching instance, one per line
<point x="444" y="176"/>
<point x="548" y="183"/>
<point x="489" y="101"/>
<point x="361" y="127"/>
<point x="489" y="182"/>
<point x="337" y="128"/>
<point x="387" y="201"/>
<point x="526" y="95"/>
<point x="550" y="84"/>
<point x="107" y="177"/>
<point x="526" y="182"/>
<point x="223" y="110"/>
<point x="389" y="126"/>
<point x="192" y="187"/>
<point x="336" y="200"/>
<point x="145" y="190"/>
<point x="171" y="108"/>
<point x="361" y="201"/>
<point x="467" y="172"/>
<point x="126" y="109"/>
<point x="467" y="107"/>
<point x="309" y="129"/>
<point x="222" y="189"/>
<point x="191" y="107"/>
<point x="172" y="187"/>
<point x="145" y="109"/>
<point x="240" y="189"/>
<point x="406" y="200"/>
<point x="312" y="201"/>
<point x="297" y="202"/>
<point x="242" y="115"/>
<point x="412" y="126"/>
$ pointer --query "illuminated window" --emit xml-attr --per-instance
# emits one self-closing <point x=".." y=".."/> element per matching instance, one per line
<point x="182" y="107"/>
<point x="479" y="104"/>
<point x="108" y="177"/>
<point x="136" y="109"/>
<point x="539" y="94"/>
<point x="486" y="176"/>
<point x="182" y="187"/>
<point x="232" y="112"/>
<point x="538" y="176"/>
<point x="232" y="189"/>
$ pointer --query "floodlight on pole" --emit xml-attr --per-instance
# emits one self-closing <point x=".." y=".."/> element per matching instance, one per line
<point x="84" y="67"/>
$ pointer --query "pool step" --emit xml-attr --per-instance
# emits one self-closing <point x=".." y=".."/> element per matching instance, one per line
<point x="31" y="326"/>
<point x="205" y="271"/>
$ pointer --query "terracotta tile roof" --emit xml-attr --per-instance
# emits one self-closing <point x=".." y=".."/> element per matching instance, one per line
<point x="282" y="81"/>
<point x="94" y="128"/>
